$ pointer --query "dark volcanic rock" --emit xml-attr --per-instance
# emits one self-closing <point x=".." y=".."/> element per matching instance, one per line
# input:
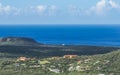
<point x="18" y="41"/>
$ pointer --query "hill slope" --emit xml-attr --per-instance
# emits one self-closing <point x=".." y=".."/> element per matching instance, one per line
<point x="91" y="60"/>
<point x="52" y="50"/>
<point x="102" y="64"/>
<point x="21" y="46"/>
<point x="114" y="58"/>
<point x="17" y="41"/>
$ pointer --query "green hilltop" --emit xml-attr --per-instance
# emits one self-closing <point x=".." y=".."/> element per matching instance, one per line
<point x="17" y="41"/>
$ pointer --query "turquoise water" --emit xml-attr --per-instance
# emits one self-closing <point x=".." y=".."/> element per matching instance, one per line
<point x="102" y="35"/>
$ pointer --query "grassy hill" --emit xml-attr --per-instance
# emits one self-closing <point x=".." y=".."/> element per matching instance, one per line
<point x="114" y="58"/>
<point x="107" y="64"/>
<point x="52" y="50"/>
<point x="18" y="41"/>
<point x="91" y="60"/>
<point x="22" y="46"/>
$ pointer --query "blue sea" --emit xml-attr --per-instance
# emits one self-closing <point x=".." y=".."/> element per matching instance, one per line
<point x="97" y="35"/>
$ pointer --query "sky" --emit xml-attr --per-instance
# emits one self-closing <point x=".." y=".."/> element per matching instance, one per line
<point x="59" y="12"/>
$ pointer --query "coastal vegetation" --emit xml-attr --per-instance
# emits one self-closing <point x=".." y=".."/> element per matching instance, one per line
<point x="105" y="64"/>
<point x="27" y="57"/>
<point x="52" y="50"/>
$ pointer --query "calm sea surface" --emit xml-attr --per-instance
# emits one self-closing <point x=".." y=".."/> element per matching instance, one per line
<point x="102" y="35"/>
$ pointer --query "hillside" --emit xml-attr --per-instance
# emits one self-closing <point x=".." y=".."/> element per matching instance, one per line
<point x="102" y="64"/>
<point x="24" y="56"/>
<point x="114" y="61"/>
<point x="21" y="46"/>
<point x="18" y="41"/>
<point x="51" y="50"/>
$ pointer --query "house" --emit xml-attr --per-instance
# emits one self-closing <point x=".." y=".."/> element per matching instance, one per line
<point x="54" y="70"/>
<point x="79" y="62"/>
<point x="44" y="62"/>
<point x="70" y="56"/>
<point x="71" y="68"/>
<point x="101" y="74"/>
<point x="96" y="62"/>
<point x="81" y="68"/>
<point x="33" y="59"/>
<point x="23" y="59"/>
<point x="87" y="60"/>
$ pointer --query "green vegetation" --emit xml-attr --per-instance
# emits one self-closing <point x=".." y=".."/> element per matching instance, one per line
<point x="106" y="64"/>
<point x="24" y="56"/>
<point x="18" y="41"/>
<point x="51" y="50"/>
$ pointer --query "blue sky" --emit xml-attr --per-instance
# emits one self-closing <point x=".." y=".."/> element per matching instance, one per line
<point x="59" y="12"/>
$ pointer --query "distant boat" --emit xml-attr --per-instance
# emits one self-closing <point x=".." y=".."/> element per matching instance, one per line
<point x="63" y="44"/>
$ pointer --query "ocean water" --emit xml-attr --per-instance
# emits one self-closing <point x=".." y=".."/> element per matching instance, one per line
<point x="97" y="35"/>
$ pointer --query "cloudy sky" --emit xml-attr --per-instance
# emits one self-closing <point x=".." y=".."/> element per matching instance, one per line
<point x="59" y="11"/>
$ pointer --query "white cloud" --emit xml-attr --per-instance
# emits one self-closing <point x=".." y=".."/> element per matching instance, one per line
<point x="74" y="10"/>
<point x="8" y="10"/>
<point x="114" y="4"/>
<point x="44" y="10"/>
<point x="100" y="7"/>
<point x="4" y="9"/>
<point x="41" y="8"/>
<point x="17" y="11"/>
<point x="103" y="7"/>
<point x="52" y="10"/>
